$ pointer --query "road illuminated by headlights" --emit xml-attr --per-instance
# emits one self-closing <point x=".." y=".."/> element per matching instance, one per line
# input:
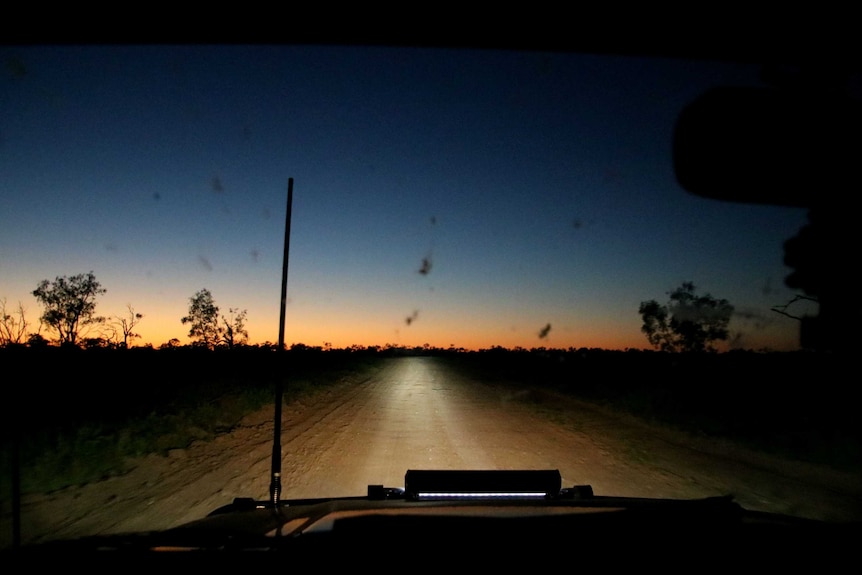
<point x="422" y="413"/>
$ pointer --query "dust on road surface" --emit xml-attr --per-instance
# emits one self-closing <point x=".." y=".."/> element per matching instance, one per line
<point x="418" y="413"/>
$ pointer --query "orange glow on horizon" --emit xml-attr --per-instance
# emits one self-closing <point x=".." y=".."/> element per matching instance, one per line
<point x="461" y="329"/>
<point x="402" y="337"/>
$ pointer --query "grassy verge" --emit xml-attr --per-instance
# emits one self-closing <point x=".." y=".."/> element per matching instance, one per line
<point x="74" y="439"/>
<point x="796" y="406"/>
<point x="88" y="414"/>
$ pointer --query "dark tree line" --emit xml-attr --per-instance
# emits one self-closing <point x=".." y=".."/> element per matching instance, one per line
<point x="69" y="310"/>
<point x="688" y="322"/>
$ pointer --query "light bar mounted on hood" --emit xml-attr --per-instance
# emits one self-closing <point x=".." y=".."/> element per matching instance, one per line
<point x="481" y="484"/>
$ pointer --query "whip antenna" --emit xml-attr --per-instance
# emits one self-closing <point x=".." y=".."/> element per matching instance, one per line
<point x="275" y="485"/>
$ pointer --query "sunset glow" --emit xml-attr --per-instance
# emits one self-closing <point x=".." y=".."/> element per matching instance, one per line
<point x="472" y="200"/>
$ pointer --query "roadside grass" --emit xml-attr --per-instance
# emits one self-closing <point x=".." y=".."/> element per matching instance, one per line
<point x="199" y="403"/>
<point x="794" y="406"/>
<point x="827" y="446"/>
<point x="49" y="458"/>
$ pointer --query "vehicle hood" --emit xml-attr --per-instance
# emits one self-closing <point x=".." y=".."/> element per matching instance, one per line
<point x="502" y="516"/>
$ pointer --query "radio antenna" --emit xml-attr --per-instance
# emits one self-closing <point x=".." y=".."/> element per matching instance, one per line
<point x="275" y="484"/>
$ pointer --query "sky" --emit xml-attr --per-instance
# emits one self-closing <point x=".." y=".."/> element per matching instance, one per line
<point x="472" y="198"/>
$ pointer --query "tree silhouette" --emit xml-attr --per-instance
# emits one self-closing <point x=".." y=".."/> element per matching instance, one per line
<point x="689" y="322"/>
<point x="127" y="324"/>
<point x="13" y="326"/>
<point x="70" y="304"/>
<point x="36" y="341"/>
<point x="233" y="332"/>
<point x="203" y="317"/>
<point x="822" y="256"/>
<point x="784" y="309"/>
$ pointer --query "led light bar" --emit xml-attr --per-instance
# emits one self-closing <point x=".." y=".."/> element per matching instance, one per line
<point x="475" y="484"/>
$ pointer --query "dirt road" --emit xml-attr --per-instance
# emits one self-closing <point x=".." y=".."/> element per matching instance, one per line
<point x="416" y="413"/>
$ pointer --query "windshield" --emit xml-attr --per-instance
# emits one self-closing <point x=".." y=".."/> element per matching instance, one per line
<point x="471" y="258"/>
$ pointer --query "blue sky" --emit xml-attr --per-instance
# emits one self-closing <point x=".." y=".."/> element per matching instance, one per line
<point x="539" y="186"/>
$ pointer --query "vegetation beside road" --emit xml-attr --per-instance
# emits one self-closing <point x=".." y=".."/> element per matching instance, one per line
<point x="797" y="405"/>
<point x="79" y="415"/>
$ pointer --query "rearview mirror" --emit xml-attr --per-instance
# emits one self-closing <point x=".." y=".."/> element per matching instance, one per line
<point x="769" y="146"/>
<point x="787" y="147"/>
